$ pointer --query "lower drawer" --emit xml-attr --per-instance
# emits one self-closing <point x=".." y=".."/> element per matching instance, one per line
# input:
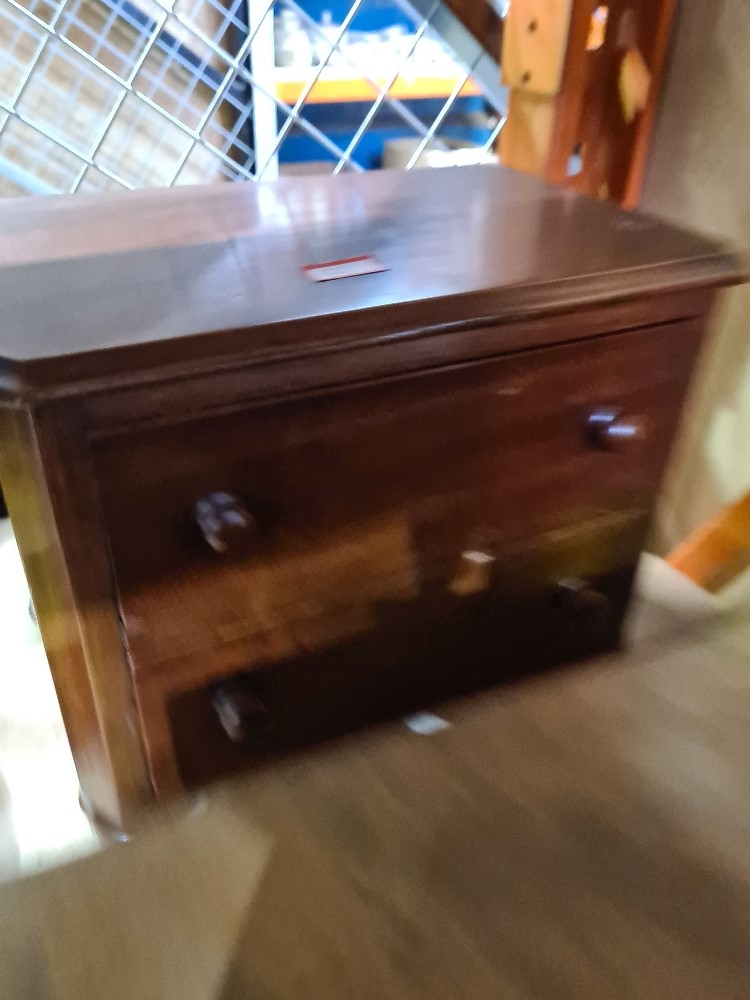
<point x="558" y="599"/>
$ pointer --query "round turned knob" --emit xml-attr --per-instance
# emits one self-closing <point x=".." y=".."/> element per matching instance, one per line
<point x="240" y="710"/>
<point x="612" y="429"/>
<point x="225" y="523"/>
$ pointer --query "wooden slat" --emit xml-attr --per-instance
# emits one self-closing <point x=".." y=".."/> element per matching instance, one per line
<point x="526" y="136"/>
<point x="569" y="102"/>
<point x="614" y="149"/>
<point x="657" y="64"/>
<point x="531" y="134"/>
<point x="534" y="44"/>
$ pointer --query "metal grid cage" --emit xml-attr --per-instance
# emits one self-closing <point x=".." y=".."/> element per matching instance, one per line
<point x="135" y="93"/>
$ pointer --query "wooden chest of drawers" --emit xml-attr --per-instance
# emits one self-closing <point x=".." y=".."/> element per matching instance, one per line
<point x="257" y="510"/>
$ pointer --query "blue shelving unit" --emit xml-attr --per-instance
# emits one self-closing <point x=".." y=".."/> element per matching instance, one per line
<point x="341" y="120"/>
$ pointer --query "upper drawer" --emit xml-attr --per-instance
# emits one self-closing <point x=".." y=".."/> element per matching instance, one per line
<point x="370" y="493"/>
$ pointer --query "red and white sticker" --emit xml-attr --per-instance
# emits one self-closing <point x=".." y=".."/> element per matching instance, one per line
<point x="347" y="267"/>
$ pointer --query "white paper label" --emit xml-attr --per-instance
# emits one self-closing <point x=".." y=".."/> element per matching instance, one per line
<point x="348" y="267"/>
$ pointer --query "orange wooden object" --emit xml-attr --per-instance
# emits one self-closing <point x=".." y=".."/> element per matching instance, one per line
<point x="588" y="125"/>
<point x="718" y="552"/>
<point x="590" y="118"/>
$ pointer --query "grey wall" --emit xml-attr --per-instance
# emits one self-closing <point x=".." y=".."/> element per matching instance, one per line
<point x="699" y="175"/>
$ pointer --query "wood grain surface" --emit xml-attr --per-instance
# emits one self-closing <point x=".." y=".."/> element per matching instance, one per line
<point x="456" y="245"/>
<point x="388" y="435"/>
<point x="49" y="487"/>
<point x="476" y="457"/>
<point x="369" y="507"/>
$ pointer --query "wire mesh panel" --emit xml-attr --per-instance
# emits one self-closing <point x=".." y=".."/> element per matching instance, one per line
<point x="134" y="93"/>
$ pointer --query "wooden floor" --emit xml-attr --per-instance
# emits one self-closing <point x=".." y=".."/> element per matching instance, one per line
<point x="582" y="835"/>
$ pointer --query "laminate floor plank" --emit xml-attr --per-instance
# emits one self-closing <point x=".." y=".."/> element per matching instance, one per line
<point x="583" y="835"/>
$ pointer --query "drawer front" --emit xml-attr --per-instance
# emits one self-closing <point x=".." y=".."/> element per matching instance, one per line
<point x="374" y="494"/>
<point x="421" y="653"/>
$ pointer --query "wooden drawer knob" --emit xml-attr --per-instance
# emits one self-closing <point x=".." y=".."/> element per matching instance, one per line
<point x="225" y="523"/>
<point x="614" y="430"/>
<point x="240" y="710"/>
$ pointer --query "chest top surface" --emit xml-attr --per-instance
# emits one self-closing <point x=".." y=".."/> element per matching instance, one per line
<point x="159" y="276"/>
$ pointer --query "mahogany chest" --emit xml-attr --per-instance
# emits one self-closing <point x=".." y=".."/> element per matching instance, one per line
<point x="257" y="509"/>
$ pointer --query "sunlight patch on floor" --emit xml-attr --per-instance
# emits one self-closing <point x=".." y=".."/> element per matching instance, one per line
<point x="41" y="822"/>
